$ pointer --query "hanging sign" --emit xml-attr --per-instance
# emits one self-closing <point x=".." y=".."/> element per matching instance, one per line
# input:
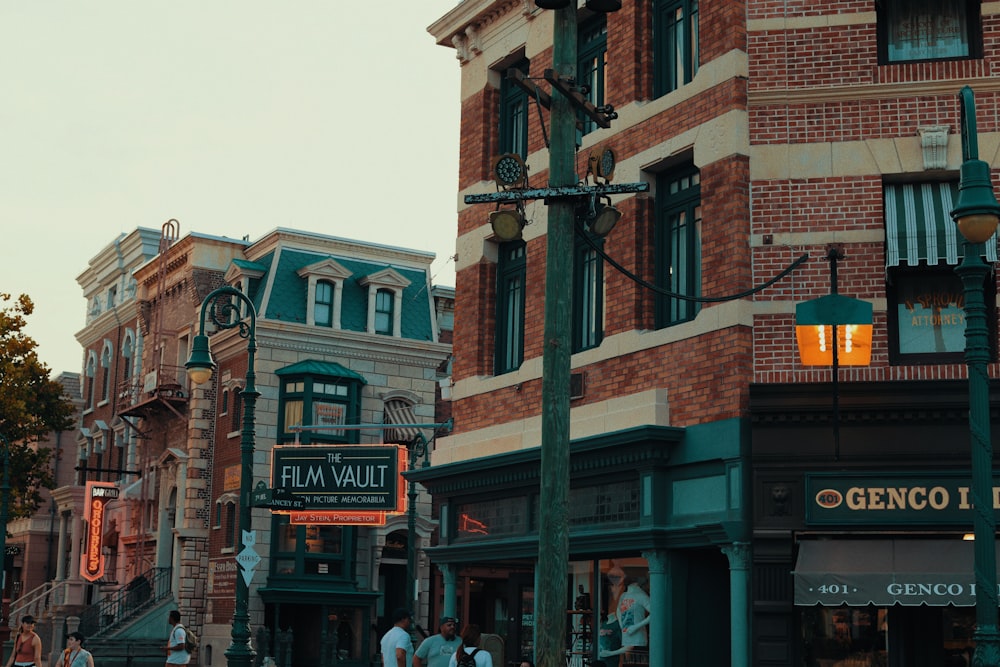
<point x="92" y="560"/>
<point x="351" y="478"/>
<point x="337" y="518"/>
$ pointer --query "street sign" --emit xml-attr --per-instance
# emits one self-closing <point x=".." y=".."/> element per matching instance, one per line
<point x="261" y="496"/>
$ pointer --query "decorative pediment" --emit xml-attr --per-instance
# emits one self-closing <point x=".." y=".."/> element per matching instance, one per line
<point x="327" y="268"/>
<point x="387" y="277"/>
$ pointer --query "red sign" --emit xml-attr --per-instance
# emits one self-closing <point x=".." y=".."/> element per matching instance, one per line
<point x="338" y="518"/>
<point x="92" y="561"/>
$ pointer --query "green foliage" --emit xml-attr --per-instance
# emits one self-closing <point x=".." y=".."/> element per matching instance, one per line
<point x="31" y="406"/>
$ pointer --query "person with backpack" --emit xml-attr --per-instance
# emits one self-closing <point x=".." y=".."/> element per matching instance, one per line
<point x="176" y="648"/>
<point x="469" y="654"/>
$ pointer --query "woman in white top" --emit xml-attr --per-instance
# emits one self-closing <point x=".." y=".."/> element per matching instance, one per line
<point x="470" y="646"/>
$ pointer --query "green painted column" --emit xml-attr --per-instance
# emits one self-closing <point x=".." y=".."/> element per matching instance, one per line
<point x="659" y="606"/>
<point x="553" y="529"/>
<point x="449" y="574"/>
<point x="739" y="599"/>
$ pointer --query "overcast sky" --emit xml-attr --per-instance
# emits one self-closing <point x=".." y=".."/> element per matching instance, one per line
<point x="234" y="117"/>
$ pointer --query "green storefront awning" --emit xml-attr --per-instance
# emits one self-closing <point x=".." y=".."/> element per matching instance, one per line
<point x="919" y="228"/>
<point x="839" y="572"/>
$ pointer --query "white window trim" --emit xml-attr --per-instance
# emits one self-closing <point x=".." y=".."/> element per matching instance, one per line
<point x="393" y="281"/>
<point x="332" y="272"/>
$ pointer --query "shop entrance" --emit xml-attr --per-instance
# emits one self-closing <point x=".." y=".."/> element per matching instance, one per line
<point x="501" y="603"/>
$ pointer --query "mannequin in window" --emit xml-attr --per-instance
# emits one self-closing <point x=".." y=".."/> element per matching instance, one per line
<point x="633" y="615"/>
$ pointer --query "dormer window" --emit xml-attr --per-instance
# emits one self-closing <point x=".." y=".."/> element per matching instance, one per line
<point x="385" y="301"/>
<point x="326" y="292"/>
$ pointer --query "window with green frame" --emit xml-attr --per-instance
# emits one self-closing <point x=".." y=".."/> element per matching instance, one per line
<point x="310" y="400"/>
<point x="314" y="551"/>
<point x="511" y="279"/>
<point x="588" y="294"/>
<point x="678" y="245"/>
<point x="513" y="120"/>
<point x="675" y="44"/>
<point x="592" y="61"/>
<point x="323" y="306"/>
<point x="384" y="299"/>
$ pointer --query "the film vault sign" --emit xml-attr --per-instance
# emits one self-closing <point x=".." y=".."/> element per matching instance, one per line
<point x="92" y="560"/>
<point x="349" y="477"/>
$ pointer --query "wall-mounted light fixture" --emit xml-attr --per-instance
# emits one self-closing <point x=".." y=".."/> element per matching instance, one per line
<point x="834" y="330"/>
<point x="507" y="223"/>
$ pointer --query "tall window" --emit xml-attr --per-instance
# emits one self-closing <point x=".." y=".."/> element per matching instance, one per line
<point x="511" y="278"/>
<point x="236" y="409"/>
<point x="928" y="30"/>
<point x="323" y="312"/>
<point x="90" y="371"/>
<point x="128" y="350"/>
<point x="592" y="60"/>
<point x="675" y="44"/>
<point x="513" y="114"/>
<point x="106" y="371"/>
<point x="588" y="295"/>
<point x="384" y="311"/>
<point x="678" y="225"/>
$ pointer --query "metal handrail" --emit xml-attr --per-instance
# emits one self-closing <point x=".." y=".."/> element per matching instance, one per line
<point x="127" y="603"/>
<point x="35" y="601"/>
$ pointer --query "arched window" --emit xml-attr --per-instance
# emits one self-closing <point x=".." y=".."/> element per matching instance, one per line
<point x="90" y="371"/>
<point x="106" y="371"/>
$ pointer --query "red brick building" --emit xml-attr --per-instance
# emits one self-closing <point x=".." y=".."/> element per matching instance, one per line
<point x="700" y="442"/>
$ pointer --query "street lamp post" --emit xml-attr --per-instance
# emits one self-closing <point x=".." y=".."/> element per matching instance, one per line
<point x="224" y="306"/>
<point x="977" y="213"/>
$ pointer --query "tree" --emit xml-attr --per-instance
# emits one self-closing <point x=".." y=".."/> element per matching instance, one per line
<point x="31" y="406"/>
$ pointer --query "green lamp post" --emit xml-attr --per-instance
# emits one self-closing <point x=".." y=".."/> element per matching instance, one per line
<point x="223" y="304"/>
<point x="977" y="213"/>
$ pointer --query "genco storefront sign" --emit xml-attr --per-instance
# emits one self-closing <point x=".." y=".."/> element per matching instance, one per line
<point x="945" y="498"/>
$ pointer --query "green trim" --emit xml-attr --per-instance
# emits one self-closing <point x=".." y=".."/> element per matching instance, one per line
<point x="324" y="368"/>
<point x="675" y="35"/>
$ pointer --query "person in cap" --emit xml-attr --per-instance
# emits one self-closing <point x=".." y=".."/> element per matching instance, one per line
<point x="436" y="650"/>
<point x="397" y="647"/>
<point x="27" y="646"/>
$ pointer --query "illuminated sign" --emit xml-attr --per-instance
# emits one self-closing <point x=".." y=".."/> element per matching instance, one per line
<point x="338" y="518"/>
<point x="887" y="498"/>
<point x="346" y="478"/>
<point x="92" y="560"/>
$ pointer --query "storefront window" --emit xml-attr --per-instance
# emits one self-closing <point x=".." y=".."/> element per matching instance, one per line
<point x="608" y="595"/>
<point x="887" y="636"/>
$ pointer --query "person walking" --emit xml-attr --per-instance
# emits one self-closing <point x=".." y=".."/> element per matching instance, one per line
<point x="27" y="646"/>
<point x="176" y="647"/>
<point x="435" y="651"/>
<point x="75" y="655"/>
<point x="397" y="647"/>
<point x="470" y="653"/>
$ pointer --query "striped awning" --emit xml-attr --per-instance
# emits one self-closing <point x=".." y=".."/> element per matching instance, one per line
<point x="919" y="228"/>
<point x="399" y="412"/>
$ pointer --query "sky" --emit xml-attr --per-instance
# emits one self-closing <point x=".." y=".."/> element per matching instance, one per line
<point x="232" y="116"/>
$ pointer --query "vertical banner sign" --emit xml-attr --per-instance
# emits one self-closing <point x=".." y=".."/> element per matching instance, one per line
<point x="92" y="560"/>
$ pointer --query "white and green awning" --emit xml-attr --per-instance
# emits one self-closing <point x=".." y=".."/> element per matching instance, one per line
<point x="919" y="228"/>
